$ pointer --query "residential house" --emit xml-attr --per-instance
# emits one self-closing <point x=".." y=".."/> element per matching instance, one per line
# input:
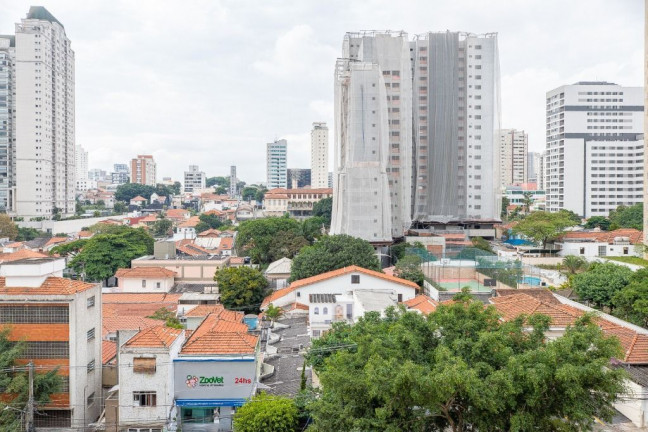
<point x="297" y="202"/>
<point x="187" y="229"/>
<point x="342" y="295"/>
<point x="244" y="212"/>
<point x="138" y="201"/>
<point x="144" y="279"/>
<point x="597" y="243"/>
<point x="178" y="215"/>
<point x="208" y="239"/>
<point x="59" y="319"/>
<point x="278" y="273"/>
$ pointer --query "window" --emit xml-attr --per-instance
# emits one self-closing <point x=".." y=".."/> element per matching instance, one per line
<point x="51" y="350"/>
<point x="158" y="284"/>
<point x="91" y="366"/>
<point x="316" y="311"/>
<point x="90" y="399"/>
<point x="27" y="314"/>
<point x="625" y="251"/>
<point x="143" y="283"/>
<point x="582" y="251"/>
<point x="90" y="302"/>
<point x="90" y="335"/>
<point x="400" y="298"/>
<point x="316" y="333"/>
<point x="325" y="311"/>
<point x="144" y="365"/>
<point x="145" y="398"/>
<point x="355" y="279"/>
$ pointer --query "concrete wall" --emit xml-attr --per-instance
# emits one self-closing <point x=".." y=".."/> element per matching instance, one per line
<point x="66" y="226"/>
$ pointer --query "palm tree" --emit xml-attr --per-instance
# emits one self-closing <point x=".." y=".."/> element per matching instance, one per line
<point x="274" y="313"/>
<point x="574" y="263"/>
<point x="527" y="201"/>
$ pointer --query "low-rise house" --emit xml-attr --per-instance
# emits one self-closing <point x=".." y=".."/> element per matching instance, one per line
<point x="146" y="379"/>
<point x="55" y="241"/>
<point x="422" y="304"/>
<point x="208" y="239"/>
<point x="226" y="246"/>
<point x="178" y="215"/>
<point x="144" y="279"/>
<point x="297" y="202"/>
<point x="342" y="295"/>
<point x="597" y="243"/>
<point x="278" y="273"/>
<point x="244" y="212"/>
<point x="138" y="201"/>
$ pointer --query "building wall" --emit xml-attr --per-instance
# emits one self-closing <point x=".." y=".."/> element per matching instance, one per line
<point x="189" y="270"/>
<point x="319" y="155"/>
<point x="137" y="284"/>
<point x="45" y="162"/>
<point x="7" y="123"/>
<point x="194" y="179"/>
<point x="277" y="164"/>
<point x="513" y="146"/>
<point x="592" y="249"/>
<point x="81" y="163"/>
<point x="144" y="170"/>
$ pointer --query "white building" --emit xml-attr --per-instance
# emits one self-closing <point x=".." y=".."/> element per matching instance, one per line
<point x="146" y="384"/>
<point x="60" y="321"/>
<point x="120" y="174"/>
<point x="277" y="164"/>
<point x="44" y="116"/>
<point x="233" y="180"/>
<point x="345" y="294"/>
<point x="194" y="179"/>
<point x="144" y="170"/>
<point x="85" y="184"/>
<point x="595" y="150"/>
<point x="319" y="155"/>
<point x="596" y="243"/>
<point x="513" y="154"/>
<point x="144" y="279"/>
<point x="7" y="123"/>
<point x="456" y="119"/>
<point x="81" y="163"/>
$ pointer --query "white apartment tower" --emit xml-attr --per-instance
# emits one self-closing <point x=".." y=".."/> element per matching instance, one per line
<point x="81" y="163"/>
<point x="513" y="154"/>
<point x="143" y="170"/>
<point x="533" y="167"/>
<point x="277" y="164"/>
<point x="319" y="155"/>
<point x="44" y="116"/>
<point x="7" y="123"/>
<point x="194" y="179"/>
<point x="373" y="137"/>
<point x="233" y="190"/>
<point x="456" y="122"/>
<point x="595" y="148"/>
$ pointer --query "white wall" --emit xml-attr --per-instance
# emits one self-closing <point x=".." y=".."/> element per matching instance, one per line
<point x="591" y="249"/>
<point x="135" y="284"/>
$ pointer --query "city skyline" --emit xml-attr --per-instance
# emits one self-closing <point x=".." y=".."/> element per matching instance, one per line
<point x="291" y="91"/>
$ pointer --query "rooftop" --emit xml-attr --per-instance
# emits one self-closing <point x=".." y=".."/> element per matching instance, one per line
<point x="218" y="334"/>
<point x="51" y="286"/>
<point x="144" y="272"/>
<point x="40" y="13"/>
<point x="422" y="303"/>
<point x="281" y="266"/>
<point x="112" y="324"/>
<point x="154" y="337"/>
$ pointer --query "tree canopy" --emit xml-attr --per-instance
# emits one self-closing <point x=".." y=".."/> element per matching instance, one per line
<point x="162" y="227"/>
<point x="7" y="227"/>
<point x="331" y="253"/>
<point x="601" y="282"/>
<point x="627" y="217"/>
<point x="266" y="413"/>
<point x="598" y="221"/>
<point x="324" y="209"/>
<point x="631" y="302"/>
<point x="266" y="240"/>
<point x="241" y="288"/>
<point x="128" y="191"/>
<point x="218" y="181"/>
<point x="409" y="267"/>
<point x="103" y="254"/>
<point x="543" y="226"/>
<point x="462" y="369"/>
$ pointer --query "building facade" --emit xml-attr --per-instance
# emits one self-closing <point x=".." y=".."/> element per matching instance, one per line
<point x="44" y="117"/>
<point x="277" y="164"/>
<point x="533" y="167"/>
<point x="456" y="119"/>
<point x="233" y="180"/>
<point x="194" y="179"/>
<point x="81" y="163"/>
<point x="120" y="174"/>
<point x="297" y="202"/>
<point x="7" y="123"/>
<point x="299" y="178"/>
<point x="319" y="156"/>
<point x="513" y="154"/>
<point x="594" y="148"/>
<point x="143" y="170"/>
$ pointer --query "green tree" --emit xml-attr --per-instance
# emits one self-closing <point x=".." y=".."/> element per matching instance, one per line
<point x="627" y="217"/>
<point x="241" y="288"/>
<point x="409" y="267"/>
<point x="273" y="312"/>
<point x="169" y="317"/>
<point x="573" y="217"/>
<point x="312" y="228"/>
<point x="7" y="227"/>
<point x="103" y="254"/>
<point x="26" y="234"/>
<point x="631" y="302"/>
<point x="598" y="221"/>
<point x="543" y="226"/>
<point x="527" y="201"/>
<point x="480" y="243"/>
<point x="462" y="369"/>
<point x="176" y="188"/>
<point x="574" y="264"/>
<point x="324" y="209"/>
<point x="119" y="207"/>
<point x="256" y="238"/>
<point x="15" y="385"/>
<point x="504" y="210"/>
<point x="128" y="191"/>
<point x="331" y="253"/>
<point x="218" y="181"/>
<point x="286" y="244"/>
<point x="265" y="413"/>
<point x="211" y="220"/>
<point x="249" y="193"/>
<point x="69" y="248"/>
<point x="600" y="283"/>
<point x="261" y="194"/>
<point x="162" y="227"/>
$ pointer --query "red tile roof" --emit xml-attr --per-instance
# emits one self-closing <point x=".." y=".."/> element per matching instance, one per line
<point x="210" y="233"/>
<point x="21" y="254"/>
<point x="219" y="336"/>
<point x="204" y="310"/>
<point x="145" y="272"/>
<point x="85" y="234"/>
<point x="177" y="213"/>
<point x="422" y="303"/>
<point x="14" y="244"/>
<point x="187" y="247"/>
<point x="154" y="337"/>
<point x="541" y="294"/>
<point x="51" y="286"/>
<point x="634" y="235"/>
<point x="147" y="298"/>
<point x="192" y="222"/>
<point x="138" y="198"/>
<point x="108" y="351"/>
<point x="226" y="243"/>
<point x="56" y="240"/>
<point x="111" y="324"/>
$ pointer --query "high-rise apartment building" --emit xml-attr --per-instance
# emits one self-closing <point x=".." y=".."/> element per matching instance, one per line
<point x="456" y="118"/>
<point x="194" y="179"/>
<point x="299" y="178"/>
<point x="319" y="155"/>
<point x="233" y="182"/>
<point x="43" y="107"/>
<point x="277" y="164"/>
<point x="81" y="164"/>
<point x="595" y="148"/>
<point x="513" y="154"/>
<point x="7" y="123"/>
<point x="533" y="167"/>
<point x="143" y="170"/>
<point x="120" y="174"/>
<point x="373" y="137"/>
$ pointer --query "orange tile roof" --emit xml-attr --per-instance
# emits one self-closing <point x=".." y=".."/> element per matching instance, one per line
<point x="21" y="254"/>
<point x="210" y="233"/>
<point x="144" y="272"/>
<point x="237" y="260"/>
<point x="192" y="222"/>
<point x="226" y="243"/>
<point x="108" y="351"/>
<point x="134" y="309"/>
<point x="51" y="286"/>
<point x="149" y="218"/>
<point x="204" y="310"/>
<point x="154" y="337"/>
<point x="111" y="324"/>
<point x="541" y="294"/>
<point x="219" y="336"/>
<point x="187" y="247"/>
<point x="177" y="213"/>
<point x="634" y="235"/>
<point x="422" y="303"/>
<point x="141" y="298"/>
<point x="85" y="234"/>
<point x="56" y="240"/>
<point x="276" y="295"/>
<point x="138" y="198"/>
<point x="14" y="244"/>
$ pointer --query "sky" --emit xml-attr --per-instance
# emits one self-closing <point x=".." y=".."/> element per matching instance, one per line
<point x="210" y="82"/>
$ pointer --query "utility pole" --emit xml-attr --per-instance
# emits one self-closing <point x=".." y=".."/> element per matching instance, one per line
<point x="30" y="402"/>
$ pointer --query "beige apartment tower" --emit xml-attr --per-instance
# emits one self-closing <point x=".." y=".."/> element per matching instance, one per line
<point x="143" y="170"/>
<point x="513" y="154"/>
